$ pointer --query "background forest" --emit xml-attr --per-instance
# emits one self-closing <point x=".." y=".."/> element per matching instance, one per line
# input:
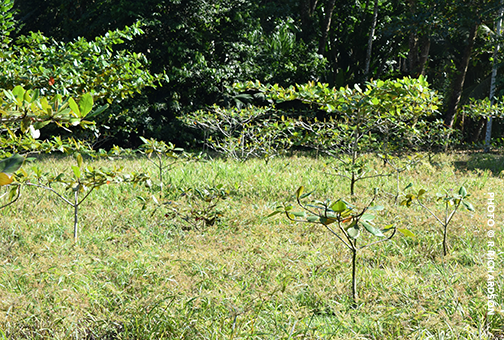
<point x="195" y="50"/>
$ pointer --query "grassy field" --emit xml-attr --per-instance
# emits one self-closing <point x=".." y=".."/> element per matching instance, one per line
<point x="135" y="274"/>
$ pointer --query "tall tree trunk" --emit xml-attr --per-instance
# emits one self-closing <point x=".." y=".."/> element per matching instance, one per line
<point x="327" y="26"/>
<point x="424" y="53"/>
<point x="370" y="41"/>
<point x="498" y="33"/>
<point x="419" y="39"/>
<point x="307" y="9"/>
<point x="457" y="84"/>
<point x="413" y="52"/>
<point x="413" y="41"/>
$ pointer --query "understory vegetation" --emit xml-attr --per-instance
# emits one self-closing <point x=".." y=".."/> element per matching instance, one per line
<point x="137" y="272"/>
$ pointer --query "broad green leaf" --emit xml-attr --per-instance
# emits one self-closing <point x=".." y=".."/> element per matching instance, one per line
<point x="144" y="140"/>
<point x="76" y="171"/>
<point x="388" y="227"/>
<point x="5" y="179"/>
<point x="338" y="206"/>
<point x="274" y="213"/>
<point x="85" y="104"/>
<point x="371" y="229"/>
<point x="299" y="192"/>
<point x="367" y="217"/>
<point x="306" y="194"/>
<point x="468" y="205"/>
<point x="421" y="192"/>
<point x="313" y="218"/>
<point x="75" y="108"/>
<point x="40" y="125"/>
<point x="353" y="231"/>
<point x="406" y="232"/>
<point x="79" y="159"/>
<point x="25" y="124"/>
<point x="97" y="111"/>
<point x="326" y="220"/>
<point x="18" y="93"/>
<point x="12" y="164"/>
<point x="298" y="213"/>
<point x="376" y="208"/>
<point x="462" y="192"/>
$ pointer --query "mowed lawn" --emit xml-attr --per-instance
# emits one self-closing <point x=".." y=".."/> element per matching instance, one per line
<point x="135" y="273"/>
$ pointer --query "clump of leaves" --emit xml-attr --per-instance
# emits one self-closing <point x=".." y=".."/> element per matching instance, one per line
<point x="344" y="221"/>
<point x="451" y="203"/>
<point x="201" y="207"/>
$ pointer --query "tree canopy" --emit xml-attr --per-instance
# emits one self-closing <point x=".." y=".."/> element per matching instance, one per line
<point x="197" y="49"/>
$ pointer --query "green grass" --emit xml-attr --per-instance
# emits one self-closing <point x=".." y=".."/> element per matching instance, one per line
<point x="138" y="275"/>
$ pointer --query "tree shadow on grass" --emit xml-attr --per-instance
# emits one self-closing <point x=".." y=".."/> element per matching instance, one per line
<point x="483" y="161"/>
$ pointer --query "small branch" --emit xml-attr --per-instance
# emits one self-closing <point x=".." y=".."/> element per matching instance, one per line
<point x="14" y="200"/>
<point x="339" y="237"/>
<point x="88" y="193"/>
<point x="52" y="190"/>
<point x="76" y="214"/>
<point x="379" y="241"/>
<point x="351" y="246"/>
<point x="437" y="218"/>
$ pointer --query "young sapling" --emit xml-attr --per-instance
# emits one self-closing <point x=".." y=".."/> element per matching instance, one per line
<point x="451" y="204"/>
<point x="345" y="222"/>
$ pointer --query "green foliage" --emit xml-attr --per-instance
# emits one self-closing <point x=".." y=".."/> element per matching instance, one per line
<point x="33" y="111"/>
<point x="24" y="112"/>
<point x="242" y="133"/>
<point x="201" y="46"/>
<point x="383" y="115"/>
<point x="8" y="166"/>
<point x="483" y="108"/>
<point x="81" y="66"/>
<point x="281" y="57"/>
<point x="7" y="22"/>
<point x="100" y="67"/>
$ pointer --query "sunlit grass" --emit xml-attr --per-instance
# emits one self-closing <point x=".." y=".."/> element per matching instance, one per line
<point x="134" y="274"/>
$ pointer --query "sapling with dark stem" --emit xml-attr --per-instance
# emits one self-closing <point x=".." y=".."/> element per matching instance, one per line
<point x="82" y="182"/>
<point x="349" y="223"/>
<point x="160" y="150"/>
<point x="449" y="200"/>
